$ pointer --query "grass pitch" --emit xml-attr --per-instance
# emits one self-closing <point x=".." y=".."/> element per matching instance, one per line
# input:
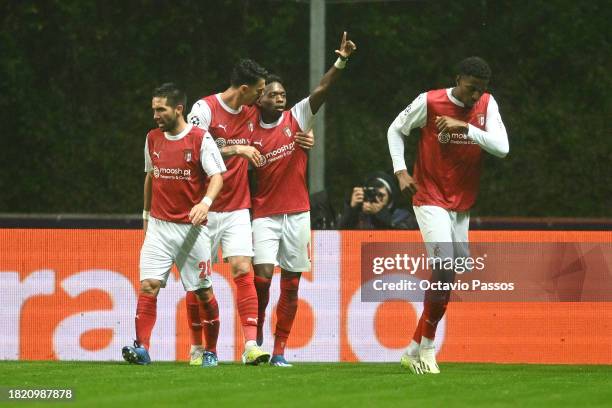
<point x="311" y="385"/>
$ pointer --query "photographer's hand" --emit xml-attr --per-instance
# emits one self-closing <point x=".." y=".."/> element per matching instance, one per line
<point x="357" y="197"/>
<point x="373" y="207"/>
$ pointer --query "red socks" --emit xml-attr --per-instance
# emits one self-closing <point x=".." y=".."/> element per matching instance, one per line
<point x="435" y="311"/>
<point x="262" y="286"/>
<point x="146" y="314"/>
<point x="428" y="323"/>
<point x="210" y="323"/>
<point x="193" y="318"/>
<point x="246" y="299"/>
<point x="285" y="312"/>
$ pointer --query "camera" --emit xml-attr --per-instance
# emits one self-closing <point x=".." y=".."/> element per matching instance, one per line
<point x="370" y="194"/>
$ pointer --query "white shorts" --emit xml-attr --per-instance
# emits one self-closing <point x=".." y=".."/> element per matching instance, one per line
<point x="232" y="231"/>
<point x="283" y="240"/>
<point x="445" y="232"/>
<point x="186" y="245"/>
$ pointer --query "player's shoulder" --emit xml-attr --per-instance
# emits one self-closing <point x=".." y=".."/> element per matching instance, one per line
<point x="209" y="98"/>
<point x="486" y="100"/>
<point x="251" y="111"/>
<point x="436" y="97"/>
<point x="205" y="102"/>
<point x="154" y="133"/>
<point x="302" y="105"/>
<point x="197" y="133"/>
<point x="433" y="93"/>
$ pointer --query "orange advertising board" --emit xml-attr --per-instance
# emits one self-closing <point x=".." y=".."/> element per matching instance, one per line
<point x="71" y="295"/>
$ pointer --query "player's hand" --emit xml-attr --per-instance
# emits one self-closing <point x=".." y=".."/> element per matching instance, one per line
<point x="407" y="185"/>
<point x="198" y="213"/>
<point x="305" y="140"/>
<point x="346" y="47"/>
<point x="357" y="197"/>
<point x="251" y="154"/>
<point x="444" y="123"/>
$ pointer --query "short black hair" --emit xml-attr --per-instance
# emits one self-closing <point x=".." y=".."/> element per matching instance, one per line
<point x="274" y="78"/>
<point x="173" y="94"/>
<point x="247" y="72"/>
<point x="474" y="66"/>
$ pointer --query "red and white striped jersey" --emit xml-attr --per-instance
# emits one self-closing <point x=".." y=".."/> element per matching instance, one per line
<point x="181" y="165"/>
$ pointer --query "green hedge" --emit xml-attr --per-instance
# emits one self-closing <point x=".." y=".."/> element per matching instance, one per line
<point x="76" y="77"/>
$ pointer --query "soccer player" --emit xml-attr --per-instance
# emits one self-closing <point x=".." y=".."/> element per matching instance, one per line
<point x="178" y="159"/>
<point x="230" y="118"/>
<point x="281" y="217"/>
<point x="456" y="124"/>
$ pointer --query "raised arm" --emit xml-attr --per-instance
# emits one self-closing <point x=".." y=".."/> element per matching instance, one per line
<point x="319" y="94"/>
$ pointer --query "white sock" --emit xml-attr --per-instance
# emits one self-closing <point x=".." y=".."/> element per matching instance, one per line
<point x="195" y="347"/>
<point x="413" y="348"/>
<point x="250" y="344"/>
<point x="426" y="343"/>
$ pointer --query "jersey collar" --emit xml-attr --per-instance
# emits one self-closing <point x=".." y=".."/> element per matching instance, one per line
<point x="449" y="92"/>
<point x="180" y="135"/>
<point x="226" y="107"/>
<point x="273" y="124"/>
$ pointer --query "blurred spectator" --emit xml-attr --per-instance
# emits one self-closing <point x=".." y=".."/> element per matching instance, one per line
<point x="322" y="213"/>
<point x="373" y="205"/>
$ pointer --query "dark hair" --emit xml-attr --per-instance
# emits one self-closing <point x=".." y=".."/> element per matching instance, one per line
<point x="274" y="78"/>
<point x="174" y="96"/>
<point x="380" y="179"/>
<point x="247" y="72"/>
<point x="474" y="66"/>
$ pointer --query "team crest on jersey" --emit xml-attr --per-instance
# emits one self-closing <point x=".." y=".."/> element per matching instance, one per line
<point x="444" y="137"/>
<point x="221" y="142"/>
<point x="251" y="126"/>
<point x="481" y="119"/>
<point x="287" y="131"/>
<point x="187" y="154"/>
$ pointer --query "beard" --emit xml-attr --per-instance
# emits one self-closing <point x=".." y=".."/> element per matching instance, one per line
<point x="169" y="125"/>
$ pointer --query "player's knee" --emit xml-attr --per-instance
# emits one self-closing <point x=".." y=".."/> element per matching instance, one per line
<point x="264" y="270"/>
<point x="150" y="287"/>
<point x="205" y="294"/>
<point x="240" y="266"/>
